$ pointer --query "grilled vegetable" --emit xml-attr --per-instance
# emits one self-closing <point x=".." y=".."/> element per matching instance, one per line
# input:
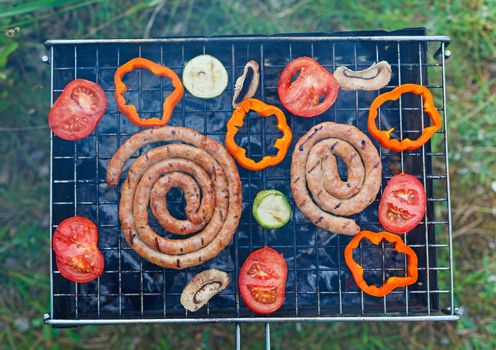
<point x="262" y="280"/>
<point x="78" y="110"/>
<point x="203" y="287"/>
<point x="236" y="122"/>
<point x="384" y="137"/>
<point x="271" y="209"/>
<point x="76" y="252"/>
<point x="375" y="77"/>
<point x="205" y="77"/>
<point x="306" y="88"/>
<point x="247" y="84"/>
<point x="402" y="204"/>
<point x="392" y="282"/>
<point x="130" y="110"/>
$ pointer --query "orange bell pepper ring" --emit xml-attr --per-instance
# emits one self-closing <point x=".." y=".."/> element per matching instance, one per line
<point x="392" y="282"/>
<point x="236" y="122"/>
<point x="384" y="136"/>
<point x="130" y="110"/>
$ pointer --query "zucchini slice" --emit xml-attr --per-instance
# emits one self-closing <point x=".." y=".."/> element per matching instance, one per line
<point x="271" y="209"/>
<point x="205" y="77"/>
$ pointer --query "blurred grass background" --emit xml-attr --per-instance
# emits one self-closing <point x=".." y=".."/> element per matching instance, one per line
<point x="24" y="154"/>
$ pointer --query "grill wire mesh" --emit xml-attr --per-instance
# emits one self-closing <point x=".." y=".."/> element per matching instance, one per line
<point x="319" y="284"/>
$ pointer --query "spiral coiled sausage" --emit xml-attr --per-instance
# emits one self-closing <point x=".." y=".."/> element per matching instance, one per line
<point x="314" y="165"/>
<point x="198" y="165"/>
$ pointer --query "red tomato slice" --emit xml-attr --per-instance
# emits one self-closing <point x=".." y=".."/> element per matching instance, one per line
<point x="77" y="111"/>
<point x="312" y="92"/>
<point x="76" y="252"/>
<point x="402" y="204"/>
<point x="262" y="280"/>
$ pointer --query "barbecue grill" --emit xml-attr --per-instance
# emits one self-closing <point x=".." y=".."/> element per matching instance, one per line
<point x="320" y="286"/>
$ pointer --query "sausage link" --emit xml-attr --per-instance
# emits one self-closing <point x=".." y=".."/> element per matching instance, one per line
<point x="188" y="155"/>
<point x="314" y="164"/>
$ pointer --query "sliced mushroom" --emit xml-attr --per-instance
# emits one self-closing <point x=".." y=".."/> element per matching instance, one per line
<point x="375" y="77"/>
<point x="247" y="84"/>
<point x="202" y="288"/>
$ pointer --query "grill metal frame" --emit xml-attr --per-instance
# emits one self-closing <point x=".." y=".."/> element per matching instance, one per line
<point x="449" y="312"/>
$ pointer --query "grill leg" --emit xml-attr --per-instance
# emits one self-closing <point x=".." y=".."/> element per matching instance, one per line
<point x="238" y="336"/>
<point x="267" y="336"/>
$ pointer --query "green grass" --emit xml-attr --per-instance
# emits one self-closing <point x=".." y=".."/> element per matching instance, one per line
<point x="24" y="148"/>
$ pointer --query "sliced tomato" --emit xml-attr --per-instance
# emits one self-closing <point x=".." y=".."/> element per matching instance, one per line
<point x="306" y="88"/>
<point x="262" y="280"/>
<point x="76" y="252"/>
<point x="77" y="111"/>
<point x="402" y="204"/>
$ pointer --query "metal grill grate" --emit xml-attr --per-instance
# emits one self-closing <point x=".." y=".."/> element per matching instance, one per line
<point x="319" y="287"/>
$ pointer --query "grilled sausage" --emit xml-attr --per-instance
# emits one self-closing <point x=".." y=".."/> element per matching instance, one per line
<point x="197" y="212"/>
<point x="314" y="164"/>
<point x="152" y="175"/>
